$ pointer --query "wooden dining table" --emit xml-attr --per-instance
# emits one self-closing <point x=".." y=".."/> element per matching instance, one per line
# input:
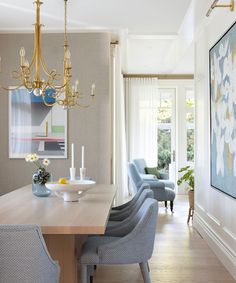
<point x="65" y="225"/>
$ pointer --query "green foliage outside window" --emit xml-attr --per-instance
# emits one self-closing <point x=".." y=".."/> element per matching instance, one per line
<point x="164" y="149"/>
<point x="190" y="145"/>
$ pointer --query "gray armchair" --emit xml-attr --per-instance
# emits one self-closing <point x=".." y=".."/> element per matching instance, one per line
<point x="24" y="256"/>
<point x="160" y="191"/>
<point x="134" y="247"/>
<point x="141" y="164"/>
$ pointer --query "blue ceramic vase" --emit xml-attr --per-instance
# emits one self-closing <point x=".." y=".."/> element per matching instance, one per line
<point x="40" y="177"/>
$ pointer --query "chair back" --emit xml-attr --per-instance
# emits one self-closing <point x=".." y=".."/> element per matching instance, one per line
<point x="144" y="186"/>
<point x="134" y="176"/>
<point x="140" y="165"/>
<point x="121" y="228"/>
<point x="137" y="245"/>
<point x="24" y="256"/>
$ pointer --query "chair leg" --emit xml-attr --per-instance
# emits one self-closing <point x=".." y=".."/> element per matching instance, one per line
<point x="190" y="214"/>
<point x="145" y="273"/>
<point x="84" y="273"/>
<point x="91" y="270"/>
<point x="90" y="273"/>
<point x="165" y="204"/>
<point x="171" y="205"/>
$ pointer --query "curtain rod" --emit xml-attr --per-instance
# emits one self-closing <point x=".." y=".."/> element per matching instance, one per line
<point x="161" y="76"/>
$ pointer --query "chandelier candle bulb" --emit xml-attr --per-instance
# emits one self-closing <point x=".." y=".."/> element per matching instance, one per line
<point x="76" y="85"/>
<point x="22" y="56"/>
<point x="93" y="89"/>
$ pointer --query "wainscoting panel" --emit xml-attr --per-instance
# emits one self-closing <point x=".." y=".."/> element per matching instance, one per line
<point x="224" y="252"/>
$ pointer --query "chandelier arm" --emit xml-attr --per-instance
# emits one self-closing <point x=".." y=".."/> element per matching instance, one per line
<point x="61" y="87"/>
<point x="82" y="106"/>
<point x="85" y="105"/>
<point x="45" y="68"/>
<point x="17" y="74"/>
<point x="10" y="88"/>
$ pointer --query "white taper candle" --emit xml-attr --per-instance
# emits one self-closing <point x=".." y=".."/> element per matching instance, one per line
<point x="82" y="161"/>
<point x="72" y="156"/>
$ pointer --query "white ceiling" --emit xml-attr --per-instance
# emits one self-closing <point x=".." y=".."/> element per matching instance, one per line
<point x="153" y="28"/>
<point x="138" y="16"/>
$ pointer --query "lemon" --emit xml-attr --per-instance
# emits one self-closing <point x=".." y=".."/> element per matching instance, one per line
<point x="62" y="181"/>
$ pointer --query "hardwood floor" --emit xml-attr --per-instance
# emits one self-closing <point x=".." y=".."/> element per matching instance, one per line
<point x="180" y="255"/>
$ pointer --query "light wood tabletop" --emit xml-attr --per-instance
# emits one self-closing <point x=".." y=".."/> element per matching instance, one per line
<point x="61" y="222"/>
<point x="54" y="216"/>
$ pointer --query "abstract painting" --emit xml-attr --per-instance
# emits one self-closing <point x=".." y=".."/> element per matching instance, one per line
<point x="222" y="62"/>
<point x="36" y="128"/>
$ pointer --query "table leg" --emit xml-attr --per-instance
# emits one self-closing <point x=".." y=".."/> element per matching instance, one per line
<point x="65" y="249"/>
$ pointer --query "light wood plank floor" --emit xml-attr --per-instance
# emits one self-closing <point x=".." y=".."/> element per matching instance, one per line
<point x="180" y="255"/>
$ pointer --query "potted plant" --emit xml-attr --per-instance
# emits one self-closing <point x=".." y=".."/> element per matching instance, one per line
<point x="188" y="177"/>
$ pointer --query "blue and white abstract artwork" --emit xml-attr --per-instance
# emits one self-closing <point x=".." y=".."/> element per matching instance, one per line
<point x="223" y="113"/>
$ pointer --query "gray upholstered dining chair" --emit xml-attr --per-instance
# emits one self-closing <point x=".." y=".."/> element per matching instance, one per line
<point x="136" y="246"/>
<point x="121" y="212"/>
<point x="112" y="226"/>
<point x="161" y="193"/>
<point x="24" y="256"/>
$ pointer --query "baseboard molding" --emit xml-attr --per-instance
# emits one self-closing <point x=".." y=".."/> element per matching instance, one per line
<point x="219" y="247"/>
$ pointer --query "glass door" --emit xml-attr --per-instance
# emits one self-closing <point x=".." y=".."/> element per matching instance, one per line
<point x="190" y="105"/>
<point x="166" y="138"/>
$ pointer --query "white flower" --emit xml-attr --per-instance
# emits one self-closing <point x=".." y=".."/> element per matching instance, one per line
<point x="46" y="162"/>
<point x="36" y="157"/>
<point x="32" y="157"/>
<point x="27" y="158"/>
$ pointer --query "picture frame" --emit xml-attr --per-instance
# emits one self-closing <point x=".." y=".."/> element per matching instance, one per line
<point x="35" y="127"/>
<point x="222" y="82"/>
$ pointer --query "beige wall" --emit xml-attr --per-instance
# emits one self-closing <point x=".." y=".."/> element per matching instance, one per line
<point x="89" y="127"/>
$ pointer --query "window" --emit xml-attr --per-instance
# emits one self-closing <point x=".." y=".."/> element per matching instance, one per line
<point x="164" y="127"/>
<point x="190" y="124"/>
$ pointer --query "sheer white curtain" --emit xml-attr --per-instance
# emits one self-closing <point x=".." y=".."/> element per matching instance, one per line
<point x="119" y="174"/>
<point x="141" y="109"/>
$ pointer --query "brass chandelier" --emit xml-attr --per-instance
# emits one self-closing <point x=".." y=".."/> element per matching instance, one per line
<point x="29" y="74"/>
<point x="72" y="96"/>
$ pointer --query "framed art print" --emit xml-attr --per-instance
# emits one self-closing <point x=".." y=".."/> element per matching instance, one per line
<point x="222" y="61"/>
<point x="36" y="128"/>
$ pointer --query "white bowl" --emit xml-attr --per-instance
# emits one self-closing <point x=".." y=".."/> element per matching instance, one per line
<point x="71" y="191"/>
